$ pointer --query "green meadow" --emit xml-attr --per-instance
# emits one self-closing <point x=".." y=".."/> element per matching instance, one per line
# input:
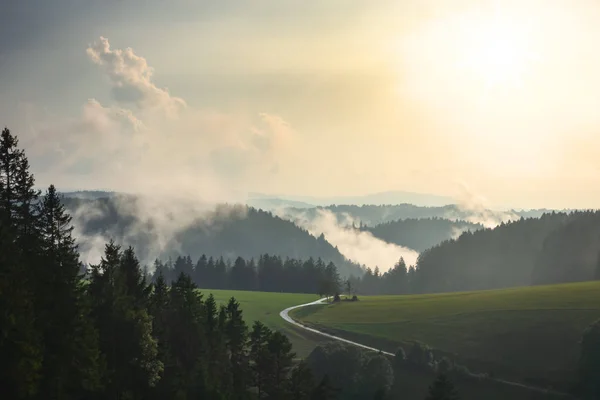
<point x="528" y="334"/>
<point x="265" y="307"/>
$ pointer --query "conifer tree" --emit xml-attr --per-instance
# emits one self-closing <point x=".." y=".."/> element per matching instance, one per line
<point x="71" y="354"/>
<point x="125" y="329"/>
<point x="236" y="333"/>
<point x="20" y="343"/>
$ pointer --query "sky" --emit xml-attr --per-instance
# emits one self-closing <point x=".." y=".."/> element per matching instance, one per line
<point x="219" y="98"/>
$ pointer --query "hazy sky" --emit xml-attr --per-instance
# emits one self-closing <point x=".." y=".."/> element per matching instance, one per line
<point x="217" y="98"/>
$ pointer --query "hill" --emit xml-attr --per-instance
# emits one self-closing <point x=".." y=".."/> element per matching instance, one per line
<point x="489" y="258"/>
<point x="570" y="253"/>
<point x="167" y="229"/>
<point x="420" y="234"/>
<point x="529" y="335"/>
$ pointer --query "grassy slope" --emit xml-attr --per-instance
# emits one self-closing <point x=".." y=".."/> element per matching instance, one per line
<point x="526" y="334"/>
<point x="265" y="307"/>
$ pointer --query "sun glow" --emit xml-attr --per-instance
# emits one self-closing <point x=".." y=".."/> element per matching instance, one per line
<point x="496" y="50"/>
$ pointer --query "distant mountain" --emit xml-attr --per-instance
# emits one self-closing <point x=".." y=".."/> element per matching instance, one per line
<point x="389" y="198"/>
<point x="372" y="215"/>
<point x="162" y="230"/>
<point x="88" y="194"/>
<point x="271" y="204"/>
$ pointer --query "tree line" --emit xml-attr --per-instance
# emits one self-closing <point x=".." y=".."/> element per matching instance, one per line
<point x="269" y="273"/>
<point x="115" y="335"/>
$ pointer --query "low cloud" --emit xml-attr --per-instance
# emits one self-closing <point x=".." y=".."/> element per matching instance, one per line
<point x="154" y="223"/>
<point x="475" y="208"/>
<point x="359" y="246"/>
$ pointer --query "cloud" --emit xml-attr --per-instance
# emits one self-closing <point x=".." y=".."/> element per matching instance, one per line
<point x="358" y="246"/>
<point x="208" y="154"/>
<point x="182" y="161"/>
<point x="131" y="78"/>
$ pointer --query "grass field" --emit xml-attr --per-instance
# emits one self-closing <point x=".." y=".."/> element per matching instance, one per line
<point x="265" y="307"/>
<point x="527" y="334"/>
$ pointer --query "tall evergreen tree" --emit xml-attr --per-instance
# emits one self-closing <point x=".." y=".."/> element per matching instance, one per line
<point x="125" y="329"/>
<point x="236" y="333"/>
<point x="20" y="343"/>
<point x="259" y="356"/>
<point x="71" y="354"/>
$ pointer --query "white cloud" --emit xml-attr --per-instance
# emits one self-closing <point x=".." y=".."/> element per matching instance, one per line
<point x="131" y="78"/>
<point x="207" y="154"/>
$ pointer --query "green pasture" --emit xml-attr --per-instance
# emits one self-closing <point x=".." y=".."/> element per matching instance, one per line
<point x="528" y="334"/>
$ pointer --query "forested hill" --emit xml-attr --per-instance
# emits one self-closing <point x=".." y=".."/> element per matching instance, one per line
<point x="228" y="231"/>
<point x="554" y="248"/>
<point x="372" y="215"/>
<point x="571" y="253"/>
<point x="420" y="234"/>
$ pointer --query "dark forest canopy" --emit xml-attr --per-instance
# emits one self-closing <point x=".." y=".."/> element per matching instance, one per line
<point x="555" y="248"/>
<point x="226" y="231"/>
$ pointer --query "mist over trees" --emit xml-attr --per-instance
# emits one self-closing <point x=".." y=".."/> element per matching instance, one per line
<point x="227" y="231"/>
<point x="372" y="215"/>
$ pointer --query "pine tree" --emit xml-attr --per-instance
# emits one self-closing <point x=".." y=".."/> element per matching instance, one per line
<point x="71" y="354"/>
<point x="280" y="358"/>
<point x="259" y="356"/>
<point x="236" y="333"/>
<point x="186" y="371"/>
<point x="125" y="329"/>
<point x="20" y="343"/>
<point x="442" y="389"/>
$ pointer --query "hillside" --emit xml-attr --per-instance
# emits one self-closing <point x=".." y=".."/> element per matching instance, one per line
<point x="525" y="334"/>
<point x="571" y="253"/>
<point x="488" y="258"/>
<point x="162" y="230"/>
<point x="420" y="234"/>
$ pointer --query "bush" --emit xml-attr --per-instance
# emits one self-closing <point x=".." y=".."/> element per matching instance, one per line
<point x="336" y="298"/>
<point x="354" y="298"/>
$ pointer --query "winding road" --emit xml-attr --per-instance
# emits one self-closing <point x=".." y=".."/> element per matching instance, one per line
<point x="285" y="315"/>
